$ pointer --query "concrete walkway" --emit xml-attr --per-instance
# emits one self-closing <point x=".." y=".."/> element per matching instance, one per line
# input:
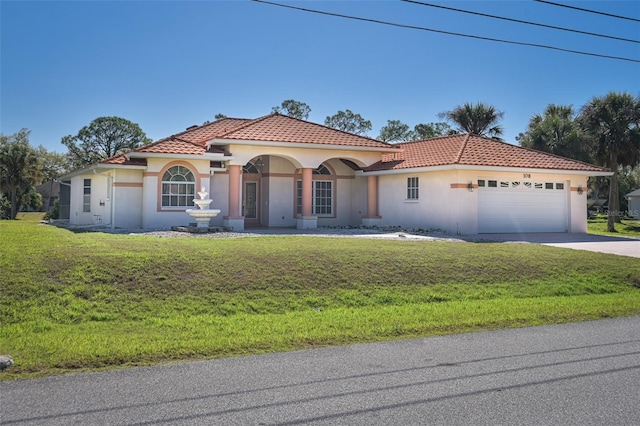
<point x="599" y="243"/>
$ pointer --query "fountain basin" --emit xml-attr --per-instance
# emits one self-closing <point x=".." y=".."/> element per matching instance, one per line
<point x="203" y="216"/>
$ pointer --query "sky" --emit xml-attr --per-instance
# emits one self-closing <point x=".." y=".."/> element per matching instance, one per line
<point x="167" y="65"/>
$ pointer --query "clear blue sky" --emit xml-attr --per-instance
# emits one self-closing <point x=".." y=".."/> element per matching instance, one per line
<point x="171" y="64"/>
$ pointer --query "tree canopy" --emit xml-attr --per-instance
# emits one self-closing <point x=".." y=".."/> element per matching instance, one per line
<point x="348" y="121"/>
<point x="558" y="132"/>
<point x="293" y="108"/>
<point x="53" y="163"/>
<point x="613" y="121"/>
<point x="103" y="138"/>
<point x="20" y="170"/>
<point x="481" y="119"/>
<point x="395" y="131"/>
<point x="432" y="130"/>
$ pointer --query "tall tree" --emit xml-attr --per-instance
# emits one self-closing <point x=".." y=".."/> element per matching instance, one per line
<point x="103" y="138"/>
<point x="480" y="119"/>
<point x="293" y="108"/>
<point x="20" y="169"/>
<point x="395" y="131"/>
<point x="556" y="131"/>
<point x="54" y="164"/>
<point x="348" y="121"/>
<point x="432" y="130"/>
<point x="613" y="121"/>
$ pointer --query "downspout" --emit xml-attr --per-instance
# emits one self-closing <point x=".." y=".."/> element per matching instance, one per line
<point x="110" y="194"/>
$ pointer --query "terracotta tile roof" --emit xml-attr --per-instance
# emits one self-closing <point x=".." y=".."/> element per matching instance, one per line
<point x="201" y="134"/>
<point x="281" y="128"/>
<point x="172" y="145"/>
<point x="270" y="128"/>
<point x="474" y="150"/>
<point x="123" y="160"/>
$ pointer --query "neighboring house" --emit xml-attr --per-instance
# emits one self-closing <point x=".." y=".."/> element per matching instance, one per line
<point x="634" y="203"/>
<point x="278" y="171"/>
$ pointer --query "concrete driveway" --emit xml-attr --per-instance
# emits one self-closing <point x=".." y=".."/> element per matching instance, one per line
<point x="599" y="243"/>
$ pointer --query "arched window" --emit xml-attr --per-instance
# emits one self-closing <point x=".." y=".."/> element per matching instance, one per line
<point x="250" y="168"/>
<point x="321" y="170"/>
<point x="178" y="187"/>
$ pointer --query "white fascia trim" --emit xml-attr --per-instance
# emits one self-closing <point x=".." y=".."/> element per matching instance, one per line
<point x="93" y="167"/>
<point x="205" y="156"/>
<point x="485" y="169"/>
<point x="300" y="145"/>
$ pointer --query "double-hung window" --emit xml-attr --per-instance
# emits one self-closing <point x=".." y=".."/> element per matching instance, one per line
<point x="412" y="188"/>
<point x="178" y="188"/>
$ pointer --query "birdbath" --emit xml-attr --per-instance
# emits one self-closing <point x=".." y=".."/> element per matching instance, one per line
<point x="203" y="213"/>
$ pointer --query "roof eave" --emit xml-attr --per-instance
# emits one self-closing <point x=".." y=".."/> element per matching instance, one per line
<point x="102" y="166"/>
<point x="486" y="168"/>
<point x="204" y="156"/>
<point x="300" y="145"/>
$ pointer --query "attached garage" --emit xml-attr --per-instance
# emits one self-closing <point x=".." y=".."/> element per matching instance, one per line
<point x="506" y="206"/>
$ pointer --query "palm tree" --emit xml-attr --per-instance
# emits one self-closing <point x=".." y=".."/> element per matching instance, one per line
<point x="557" y="131"/>
<point x="480" y="119"/>
<point x="614" y="123"/>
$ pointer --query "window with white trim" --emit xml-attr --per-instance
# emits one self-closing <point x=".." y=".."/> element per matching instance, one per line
<point x="322" y="194"/>
<point x="86" y="196"/>
<point x="413" y="192"/>
<point x="178" y="188"/>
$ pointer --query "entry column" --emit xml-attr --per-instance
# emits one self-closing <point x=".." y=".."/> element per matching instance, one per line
<point x="234" y="220"/>
<point x="372" y="217"/>
<point x="307" y="220"/>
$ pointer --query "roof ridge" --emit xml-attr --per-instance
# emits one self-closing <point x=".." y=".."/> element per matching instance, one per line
<point x="201" y="126"/>
<point x="176" y="138"/>
<point x="250" y="122"/>
<point x="462" y="148"/>
<point x="431" y="139"/>
<point x="338" y="130"/>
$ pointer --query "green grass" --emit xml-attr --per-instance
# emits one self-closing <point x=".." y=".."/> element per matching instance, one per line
<point x="628" y="227"/>
<point x="86" y="301"/>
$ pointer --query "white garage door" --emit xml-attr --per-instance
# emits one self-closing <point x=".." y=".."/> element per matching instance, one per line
<point x="511" y="206"/>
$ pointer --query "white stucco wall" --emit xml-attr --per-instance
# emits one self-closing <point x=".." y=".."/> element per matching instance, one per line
<point x="100" y="200"/>
<point x="219" y="193"/>
<point x="455" y="209"/>
<point x="430" y="211"/>
<point x="153" y="215"/>
<point x="127" y="198"/>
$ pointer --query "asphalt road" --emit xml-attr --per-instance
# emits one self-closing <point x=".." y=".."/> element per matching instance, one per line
<point x="573" y="374"/>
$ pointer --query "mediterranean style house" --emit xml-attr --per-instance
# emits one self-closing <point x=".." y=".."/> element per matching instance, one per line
<point x="279" y="171"/>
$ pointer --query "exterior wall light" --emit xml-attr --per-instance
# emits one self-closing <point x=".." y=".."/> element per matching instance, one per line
<point x="259" y="163"/>
<point x="470" y="186"/>
<point x="580" y="190"/>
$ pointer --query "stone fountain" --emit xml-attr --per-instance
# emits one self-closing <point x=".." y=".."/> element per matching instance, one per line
<point x="203" y="213"/>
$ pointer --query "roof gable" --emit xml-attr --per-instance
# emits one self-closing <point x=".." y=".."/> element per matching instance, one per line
<point x="281" y="128"/>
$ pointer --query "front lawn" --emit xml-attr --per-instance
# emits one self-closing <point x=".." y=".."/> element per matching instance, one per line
<point x="86" y="301"/>
<point x="628" y="227"/>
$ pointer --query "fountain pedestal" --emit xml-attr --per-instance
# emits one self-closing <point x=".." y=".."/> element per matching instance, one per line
<point x="203" y="213"/>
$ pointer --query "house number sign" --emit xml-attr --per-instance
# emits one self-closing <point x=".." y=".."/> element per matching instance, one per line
<point x="526" y="175"/>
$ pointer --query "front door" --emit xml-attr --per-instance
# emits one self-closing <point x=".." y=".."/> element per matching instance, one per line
<point x="250" y="204"/>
